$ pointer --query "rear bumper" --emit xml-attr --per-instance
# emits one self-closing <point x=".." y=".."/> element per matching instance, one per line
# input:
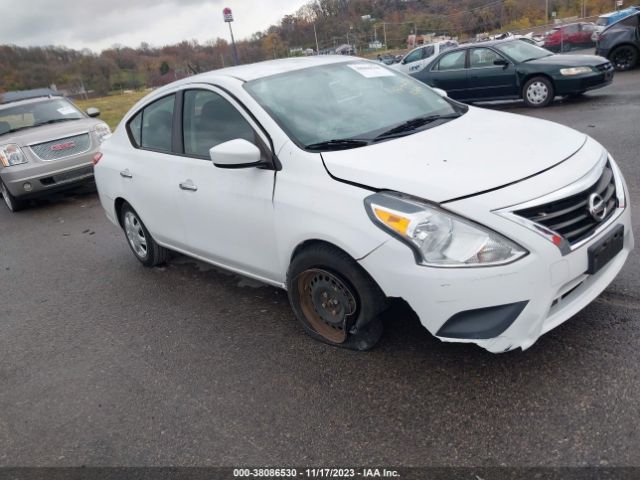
<point x="38" y="179"/>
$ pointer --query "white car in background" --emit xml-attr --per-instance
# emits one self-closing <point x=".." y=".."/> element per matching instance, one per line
<point x="349" y="184"/>
<point x="418" y="58"/>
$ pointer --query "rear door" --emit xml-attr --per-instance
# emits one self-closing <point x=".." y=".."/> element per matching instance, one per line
<point x="488" y="80"/>
<point x="450" y="74"/>
<point x="148" y="176"/>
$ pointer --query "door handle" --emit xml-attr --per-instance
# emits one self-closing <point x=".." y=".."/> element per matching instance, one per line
<point x="188" y="185"/>
<point x="126" y="174"/>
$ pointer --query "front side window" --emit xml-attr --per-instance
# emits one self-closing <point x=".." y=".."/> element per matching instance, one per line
<point x="452" y="61"/>
<point x="152" y="128"/>
<point x="429" y="50"/>
<point x="347" y="100"/>
<point x="483" y="58"/>
<point x="209" y="120"/>
<point x="414" y="56"/>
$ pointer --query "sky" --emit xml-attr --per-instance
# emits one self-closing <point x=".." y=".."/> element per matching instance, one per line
<point x="98" y="25"/>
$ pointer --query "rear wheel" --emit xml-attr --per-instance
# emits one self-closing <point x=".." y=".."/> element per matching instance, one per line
<point x="538" y="92"/>
<point x="624" y="58"/>
<point x="142" y="244"/>
<point x="13" y="204"/>
<point x="334" y="299"/>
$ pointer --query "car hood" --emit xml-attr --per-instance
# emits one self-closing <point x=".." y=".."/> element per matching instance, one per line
<point x="568" y="61"/>
<point x="46" y="133"/>
<point x="480" y="151"/>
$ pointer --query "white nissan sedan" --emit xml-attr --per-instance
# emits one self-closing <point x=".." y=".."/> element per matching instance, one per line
<point x="349" y="184"/>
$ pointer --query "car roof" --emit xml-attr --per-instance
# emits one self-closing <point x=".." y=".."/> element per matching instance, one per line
<point x="19" y="95"/>
<point x="268" y="68"/>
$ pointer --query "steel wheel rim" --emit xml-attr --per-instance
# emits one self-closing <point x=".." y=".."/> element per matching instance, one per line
<point x="5" y="195"/>
<point x="135" y="234"/>
<point x="328" y="304"/>
<point x="537" y="93"/>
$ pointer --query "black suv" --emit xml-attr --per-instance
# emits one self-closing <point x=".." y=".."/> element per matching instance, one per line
<point x="620" y="43"/>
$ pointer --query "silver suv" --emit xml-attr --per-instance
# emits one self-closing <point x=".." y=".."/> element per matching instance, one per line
<point x="46" y="144"/>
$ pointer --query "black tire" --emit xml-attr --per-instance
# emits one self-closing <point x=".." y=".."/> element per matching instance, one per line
<point x="142" y="244"/>
<point x="322" y="269"/>
<point x="13" y="204"/>
<point x="624" y="57"/>
<point x="538" y="92"/>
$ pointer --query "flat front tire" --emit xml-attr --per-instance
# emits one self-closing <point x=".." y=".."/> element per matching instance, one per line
<point x="538" y="92"/>
<point x="142" y="244"/>
<point x="335" y="300"/>
<point x="13" y="204"/>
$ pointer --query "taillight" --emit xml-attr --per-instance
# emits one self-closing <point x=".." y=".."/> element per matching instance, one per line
<point x="96" y="158"/>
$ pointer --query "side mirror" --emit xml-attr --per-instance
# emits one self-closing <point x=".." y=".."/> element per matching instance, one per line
<point x="236" y="153"/>
<point x="501" y="62"/>
<point x="93" y="112"/>
<point x="440" y="92"/>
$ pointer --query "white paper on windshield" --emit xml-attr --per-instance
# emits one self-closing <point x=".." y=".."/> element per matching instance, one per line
<point x="371" y="70"/>
<point x="66" y="110"/>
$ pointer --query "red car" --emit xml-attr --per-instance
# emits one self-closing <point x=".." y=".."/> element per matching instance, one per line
<point x="564" y="38"/>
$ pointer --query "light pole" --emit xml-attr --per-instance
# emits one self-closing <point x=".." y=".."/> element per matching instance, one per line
<point x="228" y="18"/>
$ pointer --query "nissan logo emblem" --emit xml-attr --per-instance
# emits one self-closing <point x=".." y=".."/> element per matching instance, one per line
<point x="597" y="207"/>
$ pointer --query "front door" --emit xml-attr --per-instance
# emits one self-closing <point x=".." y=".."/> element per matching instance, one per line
<point x="228" y="213"/>
<point x="488" y="80"/>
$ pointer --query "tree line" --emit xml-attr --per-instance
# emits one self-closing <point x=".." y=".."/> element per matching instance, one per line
<point x="332" y="22"/>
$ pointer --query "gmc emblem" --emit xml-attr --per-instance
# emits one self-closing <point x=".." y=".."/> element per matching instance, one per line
<point x="62" y="146"/>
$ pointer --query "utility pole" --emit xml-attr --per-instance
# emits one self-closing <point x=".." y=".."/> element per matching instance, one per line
<point x="546" y="12"/>
<point x="384" y="28"/>
<point x="315" y="34"/>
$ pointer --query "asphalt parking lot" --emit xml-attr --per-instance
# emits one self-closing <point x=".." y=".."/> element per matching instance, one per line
<point x="104" y="362"/>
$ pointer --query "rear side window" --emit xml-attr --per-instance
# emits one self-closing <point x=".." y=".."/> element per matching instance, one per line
<point x="452" y="61"/>
<point x="631" y="21"/>
<point x="209" y="120"/>
<point x="152" y="127"/>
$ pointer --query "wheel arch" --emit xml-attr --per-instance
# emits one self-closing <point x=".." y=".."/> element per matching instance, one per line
<point x="117" y="206"/>
<point x="531" y="75"/>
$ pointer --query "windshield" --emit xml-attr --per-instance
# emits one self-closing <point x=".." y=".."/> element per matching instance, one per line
<point x="33" y="114"/>
<point x="602" y="21"/>
<point x="522" y="51"/>
<point x="354" y="100"/>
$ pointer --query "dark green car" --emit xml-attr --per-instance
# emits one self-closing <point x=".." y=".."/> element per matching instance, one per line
<point x="511" y="69"/>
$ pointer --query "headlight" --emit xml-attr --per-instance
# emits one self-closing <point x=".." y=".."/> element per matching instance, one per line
<point x="568" y="72"/>
<point x="439" y="238"/>
<point x="102" y="131"/>
<point x="11" y="155"/>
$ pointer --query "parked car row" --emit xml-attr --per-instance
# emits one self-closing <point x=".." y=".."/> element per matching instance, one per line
<point x="46" y="144"/>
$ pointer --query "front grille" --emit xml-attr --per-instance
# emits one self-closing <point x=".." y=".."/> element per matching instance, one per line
<point x="604" y="67"/>
<point x="570" y="217"/>
<point x="62" y="147"/>
<point x="70" y="176"/>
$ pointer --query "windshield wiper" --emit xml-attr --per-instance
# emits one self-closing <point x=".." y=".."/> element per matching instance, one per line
<point x="55" y="120"/>
<point x="338" y="144"/>
<point x="414" y="124"/>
